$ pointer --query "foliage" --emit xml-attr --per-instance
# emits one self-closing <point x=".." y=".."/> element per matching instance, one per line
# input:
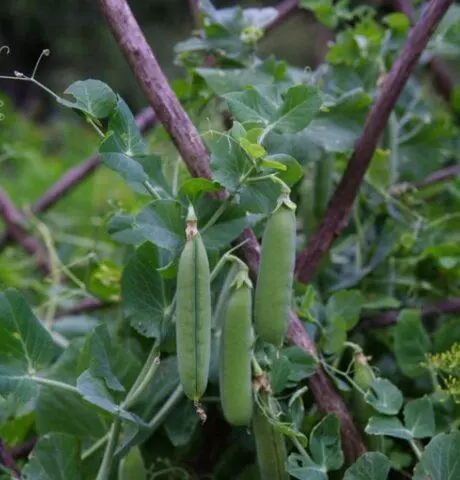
<point x="101" y="391"/>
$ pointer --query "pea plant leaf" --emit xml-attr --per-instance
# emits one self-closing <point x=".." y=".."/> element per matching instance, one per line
<point x="227" y="228"/>
<point x="126" y="166"/>
<point x="411" y="344"/>
<point x="370" y="466"/>
<point x="123" y="229"/>
<point x="53" y="405"/>
<point x="389" y="426"/>
<point x="325" y="444"/>
<point x="440" y="459"/>
<point x="162" y="223"/>
<point x="94" y="391"/>
<point x="300" y="106"/>
<point x="123" y="126"/>
<point x="419" y="417"/>
<point x="384" y="396"/>
<point x="344" y="308"/>
<point x="53" y="415"/>
<point x="290" y="114"/>
<point x="55" y="457"/>
<point x="91" y="97"/>
<point x="137" y="170"/>
<point x="146" y="294"/>
<point x="107" y="360"/>
<point x="26" y="346"/>
<point x="229" y="161"/>
<point x="252" y="107"/>
<point x="304" y="469"/>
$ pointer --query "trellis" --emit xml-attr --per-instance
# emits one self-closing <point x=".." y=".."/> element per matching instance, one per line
<point x="166" y="109"/>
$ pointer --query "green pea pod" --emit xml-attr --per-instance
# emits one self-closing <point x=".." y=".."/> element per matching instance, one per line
<point x="193" y="314"/>
<point x="276" y="271"/>
<point x="362" y="411"/>
<point x="132" y="466"/>
<point x="218" y="316"/>
<point x="324" y="169"/>
<point x="270" y="448"/>
<point x="235" y="354"/>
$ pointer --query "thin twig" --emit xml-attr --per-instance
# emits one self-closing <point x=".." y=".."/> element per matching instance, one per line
<point x="336" y="216"/>
<point x="15" y="227"/>
<point x="76" y="175"/>
<point x="439" y="176"/>
<point x="85" y="306"/>
<point x="440" y="74"/>
<point x="390" y="317"/>
<point x="185" y="136"/>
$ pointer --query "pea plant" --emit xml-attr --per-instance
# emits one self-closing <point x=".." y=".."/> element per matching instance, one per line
<point x="281" y="299"/>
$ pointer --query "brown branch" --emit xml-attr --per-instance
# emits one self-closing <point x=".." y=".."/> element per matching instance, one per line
<point x="390" y="317"/>
<point x="440" y="73"/>
<point x="194" y="9"/>
<point x="15" y="221"/>
<point x="76" y="175"/>
<point x="24" y="449"/>
<point x="439" y="176"/>
<point x="185" y="136"/>
<point x="85" y="306"/>
<point x="6" y="458"/>
<point x="336" y="216"/>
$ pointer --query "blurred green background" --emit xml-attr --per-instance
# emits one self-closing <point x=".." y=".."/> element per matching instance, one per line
<point x="82" y="46"/>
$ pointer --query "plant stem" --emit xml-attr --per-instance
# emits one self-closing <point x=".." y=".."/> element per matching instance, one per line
<point x="54" y="383"/>
<point x="222" y="207"/>
<point x="160" y="416"/>
<point x="137" y="391"/>
<point x="394" y="148"/>
<point x="299" y="447"/>
<point x="416" y="448"/>
<point x="149" y="187"/>
<point x="106" y="465"/>
<point x="95" y="447"/>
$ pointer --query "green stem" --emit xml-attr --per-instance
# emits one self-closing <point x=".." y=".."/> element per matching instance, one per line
<point x="135" y="393"/>
<point x="106" y="465"/>
<point x="256" y="367"/>
<point x="217" y="214"/>
<point x="55" y="384"/>
<point x="416" y="448"/>
<point x="144" y="371"/>
<point x="95" y="447"/>
<point x="149" y="187"/>
<point x="328" y="367"/>
<point x="394" y="147"/>
<point x="300" y="448"/>
<point x="161" y="415"/>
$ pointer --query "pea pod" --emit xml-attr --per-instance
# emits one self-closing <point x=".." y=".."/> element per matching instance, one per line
<point x="276" y="271"/>
<point x="362" y="411"/>
<point x="235" y="354"/>
<point x="324" y="169"/>
<point x="270" y="448"/>
<point x="193" y="313"/>
<point x="218" y="316"/>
